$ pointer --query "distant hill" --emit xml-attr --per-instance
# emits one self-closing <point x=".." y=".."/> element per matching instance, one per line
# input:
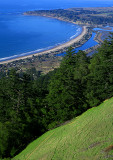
<point x="87" y="137"/>
<point x="90" y="16"/>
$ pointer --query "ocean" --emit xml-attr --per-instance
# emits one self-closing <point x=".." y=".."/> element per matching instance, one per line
<point x="22" y="35"/>
<point x="24" y="5"/>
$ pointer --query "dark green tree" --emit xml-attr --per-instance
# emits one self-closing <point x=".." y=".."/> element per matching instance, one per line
<point x="20" y="111"/>
<point x="66" y="88"/>
<point x="100" y="80"/>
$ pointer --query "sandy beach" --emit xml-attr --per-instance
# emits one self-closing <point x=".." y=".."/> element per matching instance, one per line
<point x="57" y="48"/>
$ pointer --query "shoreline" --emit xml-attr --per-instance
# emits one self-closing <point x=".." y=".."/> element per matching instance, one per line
<point x="54" y="49"/>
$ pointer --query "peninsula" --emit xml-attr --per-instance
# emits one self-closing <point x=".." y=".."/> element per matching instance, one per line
<point x="97" y="16"/>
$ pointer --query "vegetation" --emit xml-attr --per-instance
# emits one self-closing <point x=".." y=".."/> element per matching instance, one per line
<point x="31" y="103"/>
<point x="87" y="137"/>
<point x="95" y="16"/>
<point x="43" y="64"/>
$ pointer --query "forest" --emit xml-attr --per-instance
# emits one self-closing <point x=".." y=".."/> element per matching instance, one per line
<point x="32" y="103"/>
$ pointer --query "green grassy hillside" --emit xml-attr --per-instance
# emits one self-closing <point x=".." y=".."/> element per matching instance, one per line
<point x="87" y="137"/>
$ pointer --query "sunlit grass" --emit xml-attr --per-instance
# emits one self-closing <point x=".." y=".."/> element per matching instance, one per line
<point x="84" y="138"/>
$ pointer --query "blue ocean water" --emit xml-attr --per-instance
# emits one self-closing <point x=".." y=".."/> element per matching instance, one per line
<point x="20" y="35"/>
<point x="23" y="5"/>
<point x="25" y="35"/>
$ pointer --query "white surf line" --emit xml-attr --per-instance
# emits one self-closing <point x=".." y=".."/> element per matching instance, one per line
<point x="54" y="49"/>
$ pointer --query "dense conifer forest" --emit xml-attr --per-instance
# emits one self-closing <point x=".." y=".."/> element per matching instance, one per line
<point x="31" y="103"/>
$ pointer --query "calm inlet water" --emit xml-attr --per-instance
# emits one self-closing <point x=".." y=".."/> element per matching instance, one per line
<point x="90" y="43"/>
<point x="23" y="35"/>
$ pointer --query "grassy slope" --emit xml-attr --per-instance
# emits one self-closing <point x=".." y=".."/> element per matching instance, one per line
<point x="84" y="138"/>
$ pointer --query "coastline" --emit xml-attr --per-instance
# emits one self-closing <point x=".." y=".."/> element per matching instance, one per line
<point x="76" y="42"/>
<point x="54" y="49"/>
